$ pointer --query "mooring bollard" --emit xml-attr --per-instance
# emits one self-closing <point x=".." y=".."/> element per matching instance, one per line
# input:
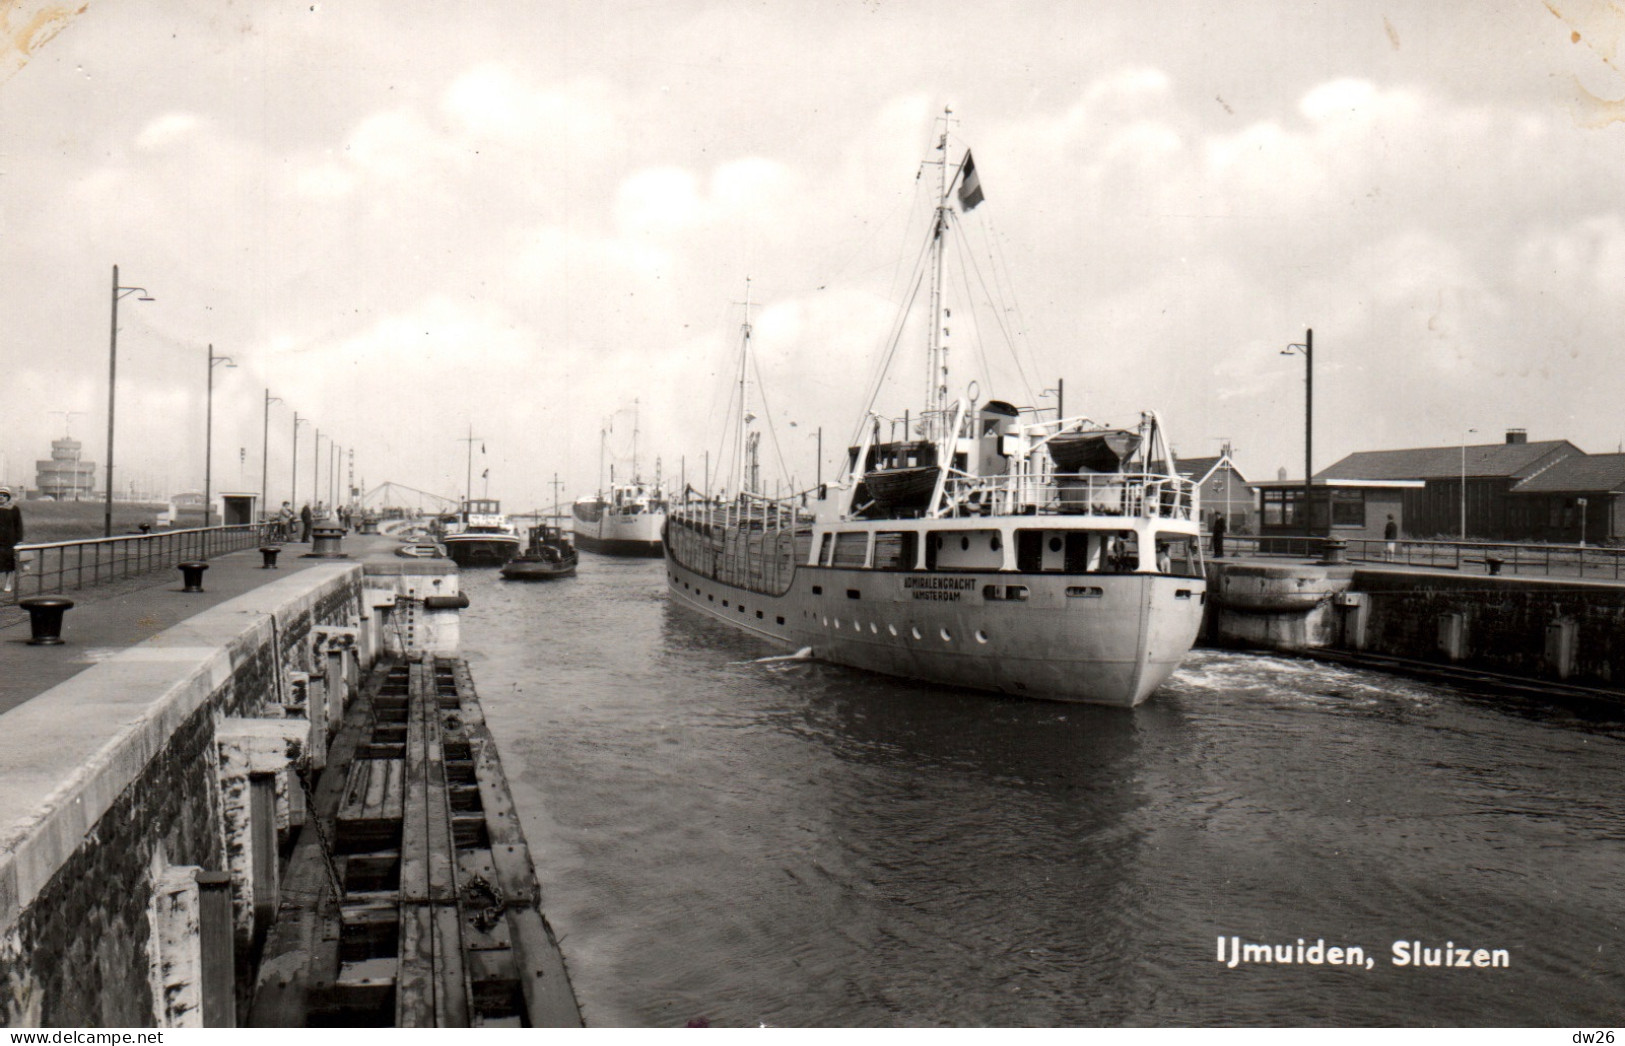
<point x="192" y="575"/>
<point x="269" y="552"/>
<point x="1334" y="551"/>
<point x="325" y="539"/>
<point x="45" y="618"/>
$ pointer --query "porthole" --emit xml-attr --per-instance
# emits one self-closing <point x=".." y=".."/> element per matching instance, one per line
<point x="981" y="637"/>
<point x="892" y="629"/>
<point x="915" y="632"/>
<point x="837" y="624"/>
<point x="947" y="637"/>
<point x="825" y="620"/>
<point x="964" y="543"/>
<point x="874" y="629"/>
<point x="1055" y="544"/>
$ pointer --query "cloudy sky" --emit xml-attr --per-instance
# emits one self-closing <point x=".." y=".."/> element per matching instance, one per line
<point x="412" y="220"/>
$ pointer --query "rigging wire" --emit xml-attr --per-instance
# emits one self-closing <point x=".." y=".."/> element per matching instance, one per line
<point x="894" y="338"/>
<point x="969" y="267"/>
<point x="960" y="245"/>
<point x="767" y="416"/>
<point x="1001" y="266"/>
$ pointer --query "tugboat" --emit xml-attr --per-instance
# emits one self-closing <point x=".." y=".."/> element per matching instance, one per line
<point x="992" y="546"/>
<point x="549" y="554"/>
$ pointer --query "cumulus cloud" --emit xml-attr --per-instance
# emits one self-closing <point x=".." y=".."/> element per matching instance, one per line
<point x="478" y="209"/>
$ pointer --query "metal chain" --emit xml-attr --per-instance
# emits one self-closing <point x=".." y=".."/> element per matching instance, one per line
<point x="328" y="861"/>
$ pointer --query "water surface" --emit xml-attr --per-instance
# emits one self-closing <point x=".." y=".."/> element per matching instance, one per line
<point x="796" y="844"/>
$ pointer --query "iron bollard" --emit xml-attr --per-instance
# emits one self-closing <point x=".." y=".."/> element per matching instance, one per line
<point x="192" y="575"/>
<point x="269" y="552"/>
<point x="1334" y="551"/>
<point x="45" y="618"/>
<point x="325" y="538"/>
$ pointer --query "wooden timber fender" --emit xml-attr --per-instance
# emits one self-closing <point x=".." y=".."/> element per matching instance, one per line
<point x="410" y="897"/>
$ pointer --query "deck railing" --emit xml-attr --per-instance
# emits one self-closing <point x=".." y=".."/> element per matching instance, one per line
<point x="69" y="566"/>
<point x="1080" y="493"/>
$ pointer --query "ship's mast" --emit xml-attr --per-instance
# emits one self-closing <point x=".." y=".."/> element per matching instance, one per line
<point x="744" y="414"/>
<point x="936" y="392"/>
<point x="635" y="476"/>
<point x="468" y="480"/>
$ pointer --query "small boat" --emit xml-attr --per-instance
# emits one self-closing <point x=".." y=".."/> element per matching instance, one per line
<point x="1102" y="450"/>
<point x="549" y="555"/>
<point x="480" y="535"/>
<point x="904" y="475"/>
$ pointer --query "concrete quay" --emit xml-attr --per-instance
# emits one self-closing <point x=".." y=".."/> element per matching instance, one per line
<point x="99" y="626"/>
<point x="1552" y="635"/>
<point x="161" y="762"/>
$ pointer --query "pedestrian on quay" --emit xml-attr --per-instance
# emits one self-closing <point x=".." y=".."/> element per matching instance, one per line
<point x="284" y="522"/>
<point x="1390" y="534"/>
<point x="1219" y="528"/>
<point x="305" y="519"/>
<point x="11" y="535"/>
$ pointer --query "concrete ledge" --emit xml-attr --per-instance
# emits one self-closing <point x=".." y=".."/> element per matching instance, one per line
<point x="72" y="751"/>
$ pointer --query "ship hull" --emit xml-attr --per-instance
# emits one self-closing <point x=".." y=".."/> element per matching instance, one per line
<point x="1112" y="641"/>
<point x="527" y="569"/>
<point x="617" y="534"/>
<point x="480" y="551"/>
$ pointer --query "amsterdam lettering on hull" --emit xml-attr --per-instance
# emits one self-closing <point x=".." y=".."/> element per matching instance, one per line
<point x="1233" y="952"/>
<point x="940" y="589"/>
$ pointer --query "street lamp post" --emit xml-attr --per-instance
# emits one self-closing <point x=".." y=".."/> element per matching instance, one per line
<point x="112" y="386"/>
<point x="1307" y="350"/>
<point x="316" y="470"/>
<point x="265" y="456"/>
<point x="208" y="436"/>
<point x="1464" y="436"/>
<point x="293" y="482"/>
<point x="1059" y="392"/>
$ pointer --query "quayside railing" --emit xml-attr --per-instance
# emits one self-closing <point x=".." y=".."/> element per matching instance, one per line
<point x="1584" y="562"/>
<point x="55" y="567"/>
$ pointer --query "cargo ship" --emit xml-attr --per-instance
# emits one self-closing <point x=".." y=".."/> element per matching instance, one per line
<point x="977" y="544"/>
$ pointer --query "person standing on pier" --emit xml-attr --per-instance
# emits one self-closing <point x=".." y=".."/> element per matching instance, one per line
<point x="305" y="518"/>
<point x="1390" y="534"/>
<point x="1219" y="528"/>
<point x="11" y="535"/>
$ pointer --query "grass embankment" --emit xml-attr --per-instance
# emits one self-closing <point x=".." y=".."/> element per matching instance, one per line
<point x="45" y="521"/>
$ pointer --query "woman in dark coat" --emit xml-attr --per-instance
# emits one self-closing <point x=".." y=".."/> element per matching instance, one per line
<point x="11" y="535"/>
